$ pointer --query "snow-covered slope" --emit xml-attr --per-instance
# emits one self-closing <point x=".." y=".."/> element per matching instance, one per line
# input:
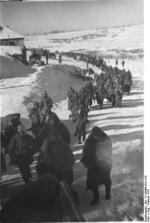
<point x="10" y="68"/>
<point x="125" y="37"/>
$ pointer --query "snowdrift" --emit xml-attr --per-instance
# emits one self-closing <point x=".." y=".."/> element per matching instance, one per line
<point x="56" y="80"/>
<point x="10" y="68"/>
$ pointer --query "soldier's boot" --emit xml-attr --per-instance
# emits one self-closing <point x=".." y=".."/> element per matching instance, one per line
<point x="76" y="133"/>
<point x="87" y="120"/>
<point x="95" y="196"/>
<point x="120" y="104"/>
<point x="11" y="162"/>
<point x="84" y="135"/>
<point x="79" y="141"/>
<point x="79" y="138"/>
<point x="75" y="196"/>
<point x="107" y="190"/>
<point x="113" y="101"/>
<point x="26" y="173"/>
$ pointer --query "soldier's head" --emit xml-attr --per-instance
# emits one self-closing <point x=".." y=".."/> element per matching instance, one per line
<point x="15" y="122"/>
<point x="49" y="103"/>
<point x="36" y="105"/>
<point x="51" y="121"/>
<point x="96" y="133"/>
<point x="44" y="94"/>
<point x="69" y="89"/>
<point x="21" y="129"/>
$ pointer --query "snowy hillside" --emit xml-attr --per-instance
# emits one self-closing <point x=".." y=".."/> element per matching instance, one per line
<point x="124" y="37"/>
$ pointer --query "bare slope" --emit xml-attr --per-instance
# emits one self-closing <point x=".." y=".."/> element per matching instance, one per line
<point x="10" y="68"/>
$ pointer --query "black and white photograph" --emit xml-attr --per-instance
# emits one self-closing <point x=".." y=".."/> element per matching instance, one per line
<point x="72" y="111"/>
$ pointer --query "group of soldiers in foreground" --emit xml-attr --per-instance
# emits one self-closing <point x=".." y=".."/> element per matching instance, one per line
<point x="51" y="139"/>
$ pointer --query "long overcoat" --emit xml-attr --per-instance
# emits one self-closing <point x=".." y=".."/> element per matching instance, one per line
<point x="56" y="158"/>
<point x="97" y="158"/>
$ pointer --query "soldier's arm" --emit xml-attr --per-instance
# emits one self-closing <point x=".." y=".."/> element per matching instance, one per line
<point x="31" y="140"/>
<point x="12" y="147"/>
<point x="77" y="128"/>
<point x="32" y="143"/>
<point x="42" y="135"/>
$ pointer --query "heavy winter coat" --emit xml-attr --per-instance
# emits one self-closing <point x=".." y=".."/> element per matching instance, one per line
<point x="62" y="130"/>
<point x="97" y="158"/>
<point x="21" y="145"/>
<point x="39" y="201"/>
<point x="56" y="158"/>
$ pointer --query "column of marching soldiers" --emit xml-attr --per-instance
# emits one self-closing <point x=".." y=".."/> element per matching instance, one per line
<point x="51" y="138"/>
<point x="111" y="84"/>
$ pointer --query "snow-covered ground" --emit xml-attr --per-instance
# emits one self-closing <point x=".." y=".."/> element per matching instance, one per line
<point x="124" y="125"/>
<point x="110" y="38"/>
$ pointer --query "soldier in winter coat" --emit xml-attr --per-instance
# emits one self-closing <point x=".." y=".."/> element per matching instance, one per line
<point x="21" y="150"/>
<point x="56" y="157"/>
<point x="97" y="158"/>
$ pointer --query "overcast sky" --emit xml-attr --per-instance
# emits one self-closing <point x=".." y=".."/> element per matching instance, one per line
<point x="38" y="17"/>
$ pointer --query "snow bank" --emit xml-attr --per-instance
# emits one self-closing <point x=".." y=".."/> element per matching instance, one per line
<point x="17" y="81"/>
<point x="11" y="68"/>
<point x="4" y="50"/>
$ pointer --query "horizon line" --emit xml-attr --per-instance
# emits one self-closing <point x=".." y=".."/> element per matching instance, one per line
<point x="76" y="30"/>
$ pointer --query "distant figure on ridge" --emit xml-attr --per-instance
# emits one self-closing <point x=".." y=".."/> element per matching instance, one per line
<point x="123" y="63"/>
<point x="46" y="56"/>
<point x="24" y="55"/>
<point x="116" y="62"/>
<point x="60" y="58"/>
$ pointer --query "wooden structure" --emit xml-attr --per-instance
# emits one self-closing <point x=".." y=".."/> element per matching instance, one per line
<point x="9" y="37"/>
